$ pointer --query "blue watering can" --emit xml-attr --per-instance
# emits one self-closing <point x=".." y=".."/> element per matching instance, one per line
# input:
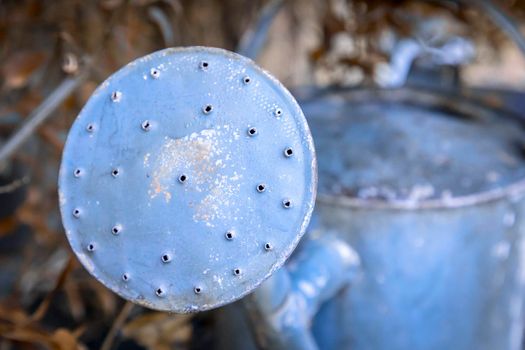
<point x="190" y="177"/>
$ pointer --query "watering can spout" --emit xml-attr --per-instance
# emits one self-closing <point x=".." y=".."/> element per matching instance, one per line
<point x="187" y="179"/>
<point x="283" y="307"/>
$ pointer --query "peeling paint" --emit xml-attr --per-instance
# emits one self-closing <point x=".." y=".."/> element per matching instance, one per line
<point x="202" y="156"/>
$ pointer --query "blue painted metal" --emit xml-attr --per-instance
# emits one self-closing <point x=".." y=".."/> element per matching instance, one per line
<point x="255" y="37"/>
<point x="187" y="179"/>
<point x="281" y="310"/>
<point x="429" y="191"/>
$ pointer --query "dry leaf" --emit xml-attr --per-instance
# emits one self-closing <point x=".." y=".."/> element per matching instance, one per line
<point x="20" y="66"/>
<point x="64" y="340"/>
<point x="159" y="330"/>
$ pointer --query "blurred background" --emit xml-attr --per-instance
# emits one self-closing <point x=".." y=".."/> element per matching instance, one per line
<point x="55" y="53"/>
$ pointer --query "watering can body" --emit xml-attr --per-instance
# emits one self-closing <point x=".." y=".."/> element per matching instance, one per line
<point x="428" y="279"/>
<point x="437" y="270"/>
<point x="432" y="279"/>
<point x="440" y="236"/>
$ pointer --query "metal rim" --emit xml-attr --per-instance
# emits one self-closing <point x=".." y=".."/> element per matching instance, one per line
<point x="430" y="100"/>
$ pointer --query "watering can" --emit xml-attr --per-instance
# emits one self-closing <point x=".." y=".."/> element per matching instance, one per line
<point x="190" y="177"/>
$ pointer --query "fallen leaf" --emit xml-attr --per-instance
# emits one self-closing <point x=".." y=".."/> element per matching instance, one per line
<point x="64" y="339"/>
<point x="20" y="66"/>
<point x="159" y="330"/>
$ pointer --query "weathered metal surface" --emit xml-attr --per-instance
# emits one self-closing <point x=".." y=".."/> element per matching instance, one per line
<point x="187" y="179"/>
<point x="437" y="272"/>
<point x="414" y="149"/>
<point x="281" y="310"/>
<point x="449" y="278"/>
<point x="433" y="203"/>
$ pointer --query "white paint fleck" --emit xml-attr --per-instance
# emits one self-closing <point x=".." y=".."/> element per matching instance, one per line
<point x="501" y="250"/>
<point x="62" y="200"/>
<point x="86" y="261"/>
<point x="308" y="289"/>
<point x="509" y="219"/>
<point x="218" y="280"/>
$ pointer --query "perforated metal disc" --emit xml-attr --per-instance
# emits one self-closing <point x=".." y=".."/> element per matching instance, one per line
<point x="188" y="177"/>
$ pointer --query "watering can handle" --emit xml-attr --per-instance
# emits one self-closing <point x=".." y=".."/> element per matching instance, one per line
<point x="501" y="20"/>
<point x="283" y="307"/>
<point x="254" y="38"/>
